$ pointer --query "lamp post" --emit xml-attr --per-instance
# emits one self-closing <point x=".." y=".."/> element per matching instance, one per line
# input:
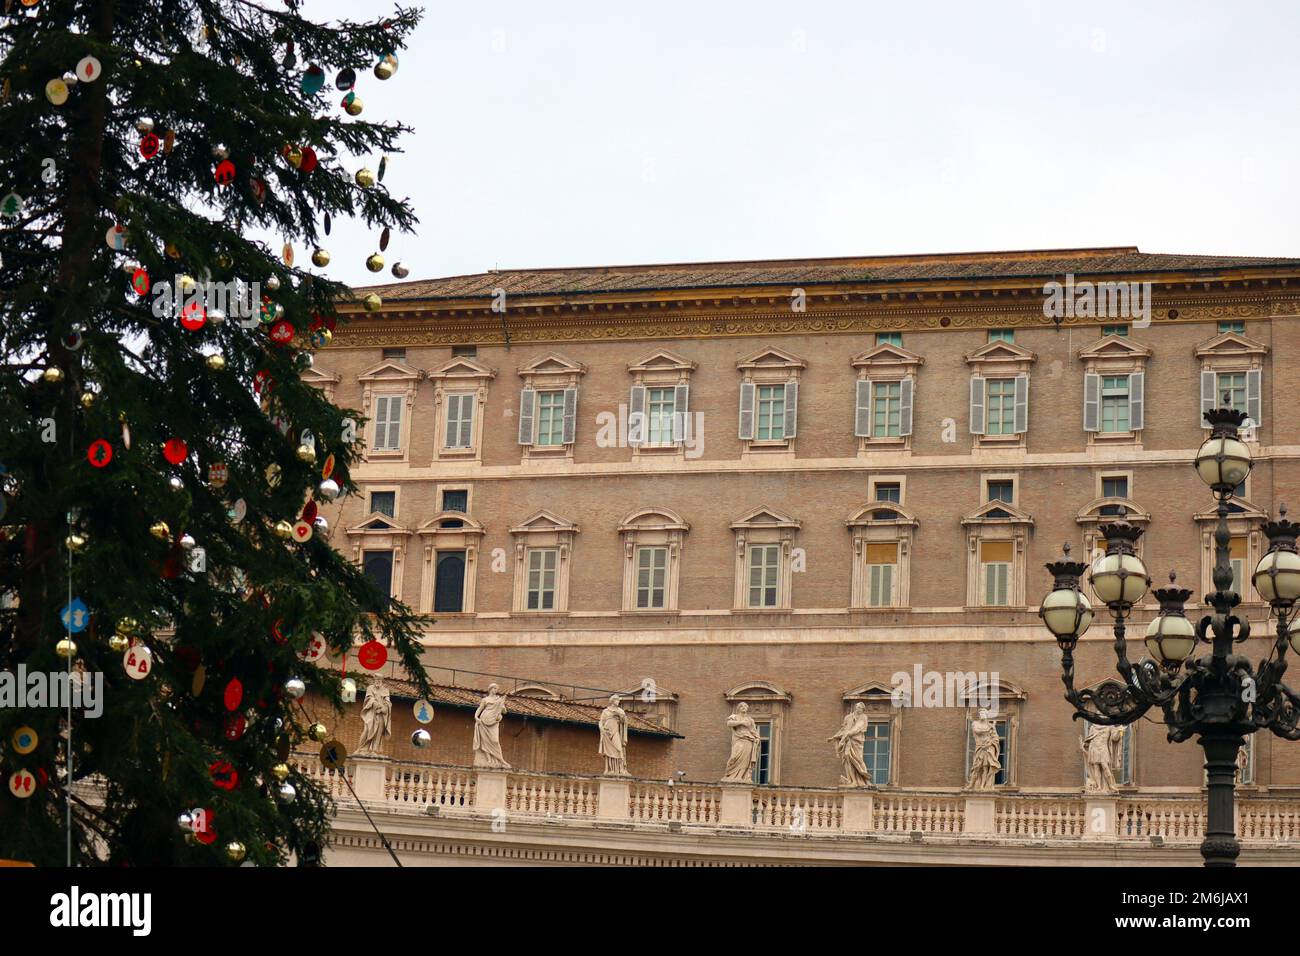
<point x="1218" y="696"/>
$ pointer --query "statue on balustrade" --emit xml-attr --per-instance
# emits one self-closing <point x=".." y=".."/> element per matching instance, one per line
<point x="849" y="743"/>
<point x="1102" y="754"/>
<point x="487" y="731"/>
<point x="986" y="761"/>
<point x="613" y="738"/>
<point x="376" y="718"/>
<point x="744" y="747"/>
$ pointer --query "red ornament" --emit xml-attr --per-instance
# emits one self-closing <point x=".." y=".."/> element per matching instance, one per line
<point x="235" y="725"/>
<point x="224" y="173"/>
<point x="175" y="450"/>
<point x="372" y="655"/>
<point x="140" y="281"/>
<point x="149" y="145"/>
<point x="194" y="316"/>
<point x="234" y="693"/>
<point x="100" y="453"/>
<point x="278" y="634"/>
<point x="308" y="159"/>
<point x="282" y="332"/>
<point x="224" y="775"/>
<point x="309" y="512"/>
<point x="262" y="382"/>
<point x="205" y="829"/>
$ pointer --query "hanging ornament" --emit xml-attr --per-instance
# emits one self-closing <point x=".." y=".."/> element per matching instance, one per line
<point x="258" y="189"/>
<point x="11" y="206"/>
<point x="383" y="239"/>
<point x="169" y="142"/>
<point x="224" y="174"/>
<point x="238" y="511"/>
<point x="348" y="691"/>
<point x="87" y="399"/>
<point x="100" y="453"/>
<point x="318" y="732"/>
<point x="329" y="489"/>
<point x="287" y="793"/>
<point x="281" y="333"/>
<point x="66" y="648"/>
<point x="423" y="711"/>
<point x="294" y="155"/>
<point x="295" y="688"/>
<point x="149" y="145"/>
<point x="219" y="151"/>
<point x="364" y="177"/>
<point x="22" y="784"/>
<point x="375" y="262"/>
<point x="188" y="542"/>
<point x="302" y="532"/>
<point x="283" y="529"/>
<point x="372" y="655"/>
<point x="116" y="237"/>
<point x="313" y="80"/>
<point x="420" y="738"/>
<point x="383" y="167"/>
<point x="346" y="79"/>
<point x="352" y="103"/>
<point x="24" y="740"/>
<point x="56" y="91"/>
<point x="118" y="644"/>
<point x="400" y="270"/>
<point x="320" y="258"/>
<point x="138" y="662"/>
<point x="327" y="224"/>
<point x="53" y="375"/>
<point x="386" y="67"/>
<point x="140" y="281"/>
<point x="198" y="680"/>
<point x="309" y="159"/>
<point x="280" y="772"/>
<point x="175" y="483"/>
<point x="321" y="338"/>
<point x="272" y="283"/>
<point x="235" y="851"/>
<point x="321" y="525"/>
<point x="307" y="450"/>
<point x="160" y="530"/>
<point x="75" y="542"/>
<point x="216" y="317"/>
<point x="175" y="450"/>
<point x="216" y="362"/>
<point x="145" y="125"/>
<point x="224" y="775"/>
<point x="88" y="69"/>
<point x="372" y="302"/>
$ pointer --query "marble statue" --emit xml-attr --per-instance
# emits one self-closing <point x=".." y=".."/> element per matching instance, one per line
<point x="376" y="718"/>
<point x="1102" y="753"/>
<point x="487" y="731"/>
<point x="849" y="741"/>
<point x="985" y="763"/>
<point x="744" y="747"/>
<point x="613" y="738"/>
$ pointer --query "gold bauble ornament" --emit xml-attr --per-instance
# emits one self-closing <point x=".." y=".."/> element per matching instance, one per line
<point x="375" y="263"/>
<point x="118" y="644"/>
<point x="353" y="104"/>
<point x="365" y="178"/>
<point x="160" y="530"/>
<point x="372" y="302"/>
<point x="320" y="258"/>
<point x="66" y="648"/>
<point x="318" y="732"/>
<point x="283" y="529"/>
<point x="306" y="453"/>
<point x="187" y="283"/>
<point x="235" y="851"/>
<point x="87" y="399"/>
<point x="224" y="260"/>
<point x="75" y="542"/>
<point x="173" y="252"/>
<point x="128" y="626"/>
<point x="216" y="362"/>
<point x="53" y="375"/>
<point x="281" y="772"/>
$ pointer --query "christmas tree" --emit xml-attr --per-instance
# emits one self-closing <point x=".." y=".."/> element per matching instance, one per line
<point x="163" y="457"/>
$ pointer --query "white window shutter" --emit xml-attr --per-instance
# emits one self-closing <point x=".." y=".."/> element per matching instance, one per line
<point x="681" y="409"/>
<point x="636" y="426"/>
<point x="976" y="405"/>
<point x="862" y="411"/>
<point x="1022" y="404"/>
<point x="1091" y="402"/>
<point x="570" y="415"/>
<point x="453" y="421"/>
<point x="791" y="407"/>
<point x="527" y="403"/>
<point x="1253" y="393"/>
<point x="905" y="407"/>
<point x="394" y="422"/>
<point x="1137" y="400"/>
<point x="1209" y="401"/>
<point x="746" y="410"/>
<point x="381" y="422"/>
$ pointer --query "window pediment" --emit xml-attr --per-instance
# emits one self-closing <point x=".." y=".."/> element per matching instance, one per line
<point x="1230" y="346"/>
<point x="999" y="356"/>
<point x="461" y="369"/>
<point x="1134" y="514"/>
<point x="1115" y="346"/>
<point x="653" y="519"/>
<point x="873" y="691"/>
<point x="390" y="370"/>
<point x="1244" y="513"/>
<point x="897" y="515"/>
<point x="764" y="518"/>
<point x="888" y="361"/>
<point x="378" y="523"/>
<point x="758" y="690"/>
<point x="552" y="370"/>
<point x="320" y="378"/>
<point x="544" y="522"/>
<point x="467" y="525"/>
<point x="662" y="360"/>
<point x="998" y="512"/>
<point x="771" y="358"/>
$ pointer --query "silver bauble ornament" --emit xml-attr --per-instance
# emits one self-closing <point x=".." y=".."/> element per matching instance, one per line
<point x="400" y="270"/>
<point x="329" y="489"/>
<point x="295" y="688"/>
<point x="421" y="738"/>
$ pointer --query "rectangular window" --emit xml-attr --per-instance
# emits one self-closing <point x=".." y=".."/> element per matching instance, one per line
<point x="771" y="413"/>
<point x="1233" y="385"/>
<point x="763" y="768"/>
<point x="550" y="418"/>
<point x="886" y="409"/>
<point x="449" y="582"/>
<point x="464" y="351"/>
<point x="1002" y="335"/>
<point x="890" y="338"/>
<point x="1233" y="325"/>
<point x="882" y="569"/>
<point x="1004" y="750"/>
<point x="661" y="403"/>
<point x="764" y="562"/>
<point x="395" y="355"/>
<point x="1000" y="414"/>
<point x="378" y="567"/>
<point x="456" y="500"/>
<point x="1114" y="486"/>
<point x="1115" y="330"/>
<point x="388" y="422"/>
<point x="889" y="491"/>
<point x="542" y="563"/>
<point x="995" y="570"/>
<point x="1114" y="403"/>
<point x="1001" y="490"/>
<point x="651" y="577"/>
<point x="384" y="502"/>
<point x="876" y="751"/>
<point x="460" y="420"/>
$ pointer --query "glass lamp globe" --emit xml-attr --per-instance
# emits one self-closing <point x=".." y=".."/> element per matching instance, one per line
<point x="1277" y="577"/>
<point x="1223" y="462"/>
<point x="1066" y="612"/>
<point x="1120" y="578"/>
<point x="1170" y="638"/>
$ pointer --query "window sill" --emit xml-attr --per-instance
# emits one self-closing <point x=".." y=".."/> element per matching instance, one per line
<point x="457" y="452"/>
<point x="760" y="610"/>
<point x="651" y="611"/>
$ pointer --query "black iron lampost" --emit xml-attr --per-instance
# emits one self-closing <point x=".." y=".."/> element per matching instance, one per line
<point x="1218" y="696"/>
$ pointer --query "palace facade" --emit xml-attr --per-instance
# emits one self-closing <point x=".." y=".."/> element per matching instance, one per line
<point x="803" y="485"/>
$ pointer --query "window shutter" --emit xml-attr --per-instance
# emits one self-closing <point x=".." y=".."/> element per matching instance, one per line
<point x="791" y="407"/>
<point x="1209" y="401"/>
<point x="570" y="415"/>
<point x="381" y="422"/>
<point x="1136" y="400"/>
<point x="1091" y="402"/>
<point x="1022" y="404"/>
<point x="747" y="410"/>
<point x="389" y="413"/>
<point x="453" y="421"/>
<point x="1253" y="392"/>
<point x="636" y="425"/>
<point x="862" y="412"/>
<point x="905" y="407"/>
<point x="681" y="425"/>
<point x="527" y="402"/>
<point x="976" y="405"/>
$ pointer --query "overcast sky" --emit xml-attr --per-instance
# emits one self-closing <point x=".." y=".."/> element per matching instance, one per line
<point x="583" y="133"/>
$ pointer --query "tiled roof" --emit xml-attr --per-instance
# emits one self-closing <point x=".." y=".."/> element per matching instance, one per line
<point x="1126" y="260"/>
<point x="523" y="705"/>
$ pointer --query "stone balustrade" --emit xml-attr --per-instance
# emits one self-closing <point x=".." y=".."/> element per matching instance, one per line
<point x="1009" y="817"/>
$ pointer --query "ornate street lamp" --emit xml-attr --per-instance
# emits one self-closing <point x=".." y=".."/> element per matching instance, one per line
<point x="1217" y="696"/>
